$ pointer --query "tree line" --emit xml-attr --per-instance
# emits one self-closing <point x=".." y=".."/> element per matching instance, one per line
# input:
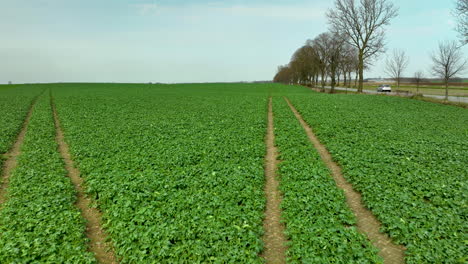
<point x="355" y="37"/>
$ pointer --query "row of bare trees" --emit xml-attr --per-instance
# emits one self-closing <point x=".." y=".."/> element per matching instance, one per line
<point x="447" y="61"/>
<point x="355" y="37"/>
<point x="326" y="56"/>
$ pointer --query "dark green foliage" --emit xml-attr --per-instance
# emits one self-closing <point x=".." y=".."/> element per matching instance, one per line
<point x="39" y="223"/>
<point x="409" y="159"/>
<point x="318" y="221"/>
<point x="176" y="170"/>
<point x="14" y="105"/>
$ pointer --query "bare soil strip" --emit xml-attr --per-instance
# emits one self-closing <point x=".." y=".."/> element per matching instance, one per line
<point x="273" y="238"/>
<point x="367" y="223"/>
<point x="97" y="236"/>
<point x="12" y="155"/>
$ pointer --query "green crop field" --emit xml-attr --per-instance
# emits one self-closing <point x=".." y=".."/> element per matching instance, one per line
<point x="177" y="172"/>
<point x="39" y="221"/>
<point x="408" y="159"/>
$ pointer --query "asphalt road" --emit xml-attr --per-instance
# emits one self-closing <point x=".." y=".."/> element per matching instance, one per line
<point x="458" y="99"/>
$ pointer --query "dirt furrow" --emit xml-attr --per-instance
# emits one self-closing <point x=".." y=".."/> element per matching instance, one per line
<point x="273" y="238"/>
<point x="367" y="223"/>
<point x="98" y="238"/>
<point x="12" y="155"/>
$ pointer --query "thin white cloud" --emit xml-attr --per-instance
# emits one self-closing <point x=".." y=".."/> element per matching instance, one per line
<point x="276" y="11"/>
<point x="147" y="9"/>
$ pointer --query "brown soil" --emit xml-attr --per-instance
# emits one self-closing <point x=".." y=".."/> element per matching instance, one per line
<point x="274" y="239"/>
<point x="12" y="155"/>
<point x="97" y="236"/>
<point x="367" y="223"/>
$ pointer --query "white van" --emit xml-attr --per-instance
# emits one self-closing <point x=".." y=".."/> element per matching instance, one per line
<point x="384" y="88"/>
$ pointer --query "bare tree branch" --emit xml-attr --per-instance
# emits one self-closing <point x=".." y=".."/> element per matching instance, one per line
<point x="284" y="75"/>
<point x="461" y="14"/>
<point x="396" y="64"/>
<point x="362" y="22"/>
<point x="348" y="62"/>
<point x="321" y="44"/>
<point x="418" y="77"/>
<point x="448" y="61"/>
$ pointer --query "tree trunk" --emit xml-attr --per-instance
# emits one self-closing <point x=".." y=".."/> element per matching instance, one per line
<point x="446" y="90"/>
<point x="356" y="79"/>
<point x="338" y="74"/>
<point x="323" y="81"/>
<point x="349" y="79"/>
<point x="333" y="83"/>
<point x="344" y="79"/>
<point x="333" y="77"/>
<point x="361" y="71"/>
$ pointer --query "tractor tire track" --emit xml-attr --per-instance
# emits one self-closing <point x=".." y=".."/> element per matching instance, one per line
<point x="11" y="157"/>
<point x="98" y="244"/>
<point x="366" y="222"/>
<point x="274" y="238"/>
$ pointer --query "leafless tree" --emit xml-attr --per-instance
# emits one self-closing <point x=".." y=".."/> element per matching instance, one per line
<point x="461" y="13"/>
<point x="338" y="73"/>
<point x="448" y="60"/>
<point x="418" y="77"/>
<point x="304" y="64"/>
<point x="335" y="49"/>
<point x="321" y="44"/>
<point x="362" y="21"/>
<point x="302" y="69"/>
<point x="348" y="62"/>
<point x="343" y="65"/>
<point x="396" y="64"/>
<point x="284" y="75"/>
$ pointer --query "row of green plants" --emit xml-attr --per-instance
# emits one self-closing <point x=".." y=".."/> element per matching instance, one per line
<point x="14" y="105"/>
<point x="39" y="222"/>
<point x="408" y="159"/>
<point x="177" y="171"/>
<point x="319" y="224"/>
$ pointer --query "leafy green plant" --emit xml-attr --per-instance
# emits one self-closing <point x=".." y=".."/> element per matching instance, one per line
<point x="38" y="222"/>
<point x="318" y="221"/>
<point x="14" y="105"/>
<point x="176" y="170"/>
<point x="408" y="159"/>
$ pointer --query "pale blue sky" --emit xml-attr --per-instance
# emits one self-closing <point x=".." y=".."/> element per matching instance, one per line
<point x="187" y="41"/>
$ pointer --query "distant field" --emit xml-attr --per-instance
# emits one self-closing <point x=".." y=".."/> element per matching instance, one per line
<point x="440" y="81"/>
<point x="178" y="173"/>
<point x="4" y="87"/>
<point x="426" y="89"/>
<point x="461" y="86"/>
